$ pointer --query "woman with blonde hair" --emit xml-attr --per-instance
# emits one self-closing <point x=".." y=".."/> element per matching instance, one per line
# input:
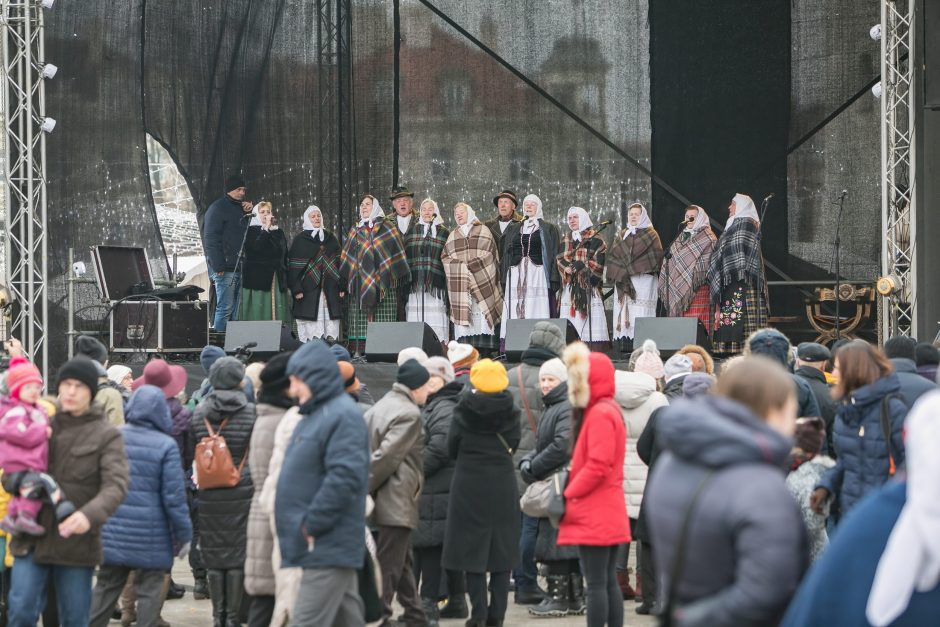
<point x="265" y="293"/>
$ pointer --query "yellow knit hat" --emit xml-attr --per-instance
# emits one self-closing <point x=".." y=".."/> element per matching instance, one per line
<point x="489" y="376"/>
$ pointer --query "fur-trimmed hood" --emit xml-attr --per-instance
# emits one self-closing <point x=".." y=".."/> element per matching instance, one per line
<point x="590" y="375"/>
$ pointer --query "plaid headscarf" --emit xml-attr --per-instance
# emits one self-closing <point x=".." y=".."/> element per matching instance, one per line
<point x="586" y="259"/>
<point x="631" y="255"/>
<point x="424" y="258"/>
<point x="737" y="257"/>
<point x="373" y="260"/>
<point x="687" y="269"/>
<point x="470" y="264"/>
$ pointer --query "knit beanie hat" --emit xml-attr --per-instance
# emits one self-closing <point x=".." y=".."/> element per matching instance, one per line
<point x="340" y="353"/>
<point x="412" y="352"/>
<point x="548" y="336"/>
<point x="677" y="365"/>
<point x="926" y="355"/>
<point x="117" y="373"/>
<point x="489" y="376"/>
<point x="554" y="368"/>
<point x="649" y="361"/>
<point x="772" y="344"/>
<point x="20" y="373"/>
<point x="347" y="372"/>
<point x="226" y="374"/>
<point x="900" y="347"/>
<point x="209" y="355"/>
<point x="697" y="384"/>
<point x="233" y="182"/>
<point x="440" y="367"/>
<point x="412" y="374"/>
<point x="83" y="370"/>
<point x="274" y="379"/>
<point x="809" y="435"/>
<point x="91" y="348"/>
<point x="461" y="355"/>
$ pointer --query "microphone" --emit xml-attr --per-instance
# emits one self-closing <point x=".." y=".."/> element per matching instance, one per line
<point x="772" y="194"/>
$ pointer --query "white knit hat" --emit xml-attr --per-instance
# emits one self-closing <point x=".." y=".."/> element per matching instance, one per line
<point x="412" y="352"/>
<point x="458" y="351"/>
<point x="554" y="368"/>
<point x="440" y="367"/>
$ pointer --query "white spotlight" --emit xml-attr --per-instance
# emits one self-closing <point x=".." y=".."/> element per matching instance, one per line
<point x="876" y="90"/>
<point x="49" y="70"/>
<point x="47" y="4"/>
<point x="875" y="32"/>
<point x="48" y="125"/>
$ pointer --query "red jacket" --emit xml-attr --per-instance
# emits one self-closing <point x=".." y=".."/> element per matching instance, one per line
<point x="595" y="509"/>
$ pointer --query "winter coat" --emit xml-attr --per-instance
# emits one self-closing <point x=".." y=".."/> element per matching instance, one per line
<point x="153" y="521"/>
<point x="637" y="396"/>
<point x="835" y="592"/>
<point x="24" y="437"/>
<point x="806" y="404"/>
<point x="862" y="462"/>
<point x="823" y="394"/>
<point x="87" y="459"/>
<point x="182" y="418"/>
<point x="532" y="360"/>
<point x="648" y="449"/>
<point x="483" y="521"/>
<point x="673" y="387"/>
<point x="259" y="573"/>
<point x="801" y="483"/>
<point x="913" y="386"/>
<point x="321" y="489"/>
<point x="551" y="454"/>
<point x="438" y="467"/>
<point x="929" y="372"/>
<point x="110" y="399"/>
<point x="304" y="250"/>
<point x="222" y="233"/>
<point x="595" y="509"/>
<point x="223" y="512"/>
<point x="265" y="260"/>
<point x="395" y="469"/>
<point x="747" y="547"/>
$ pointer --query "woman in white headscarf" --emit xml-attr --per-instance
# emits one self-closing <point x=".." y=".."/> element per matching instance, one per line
<point x="528" y="270"/>
<point x="424" y="243"/>
<point x="264" y="271"/>
<point x="581" y="266"/>
<point x="683" y="281"/>
<point x="313" y="276"/>
<point x="633" y="262"/>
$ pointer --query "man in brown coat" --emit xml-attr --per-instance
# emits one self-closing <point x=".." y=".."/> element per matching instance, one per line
<point x="86" y="457"/>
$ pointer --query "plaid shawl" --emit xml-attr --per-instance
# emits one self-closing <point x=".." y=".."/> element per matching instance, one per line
<point x="687" y="270"/>
<point x="470" y="265"/>
<point x="373" y="261"/>
<point x="312" y="259"/>
<point x="424" y="258"/>
<point x="737" y="257"/>
<point x="586" y="260"/>
<point x="637" y="254"/>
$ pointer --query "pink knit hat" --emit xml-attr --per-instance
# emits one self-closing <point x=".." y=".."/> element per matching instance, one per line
<point x="20" y="373"/>
<point x="649" y="361"/>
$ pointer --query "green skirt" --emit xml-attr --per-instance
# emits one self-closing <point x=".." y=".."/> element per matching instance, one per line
<point x="357" y="320"/>
<point x="264" y="305"/>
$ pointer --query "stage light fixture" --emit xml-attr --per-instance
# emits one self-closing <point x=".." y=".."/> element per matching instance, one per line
<point x="888" y="285"/>
<point x="875" y="32"/>
<point x="48" y="125"/>
<point x="49" y="71"/>
<point x="876" y="90"/>
<point x="47" y="4"/>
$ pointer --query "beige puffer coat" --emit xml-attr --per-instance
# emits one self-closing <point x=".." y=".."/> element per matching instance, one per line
<point x="636" y="394"/>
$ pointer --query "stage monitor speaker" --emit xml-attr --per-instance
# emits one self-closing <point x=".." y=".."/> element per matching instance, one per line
<point x="384" y="340"/>
<point x="671" y="334"/>
<point x="266" y="333"/>
<point x="518" y="332"/>
<point x="931" y="23"/>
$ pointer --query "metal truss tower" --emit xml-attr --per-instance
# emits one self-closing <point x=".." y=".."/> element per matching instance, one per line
<point x="898" y="208"/>
<point x="23" y="102"/>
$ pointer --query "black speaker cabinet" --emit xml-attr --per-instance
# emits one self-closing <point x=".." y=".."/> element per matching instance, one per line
<point x="267" y="334"/>
<point x="159" y="326"/>
<point x="518" y="332"/>
<point x="671" y="334"/>
<point x="384" y="340"/>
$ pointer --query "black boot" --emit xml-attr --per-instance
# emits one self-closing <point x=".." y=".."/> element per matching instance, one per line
<point x="556" y="603"/>
<point x="200" y="587"/>
<point x="430" y="611"/>
<point x="215" y="580"/>
<point x="456" y="607"/>
<point x="576" y="603"/>
<point x="234" y="591"/>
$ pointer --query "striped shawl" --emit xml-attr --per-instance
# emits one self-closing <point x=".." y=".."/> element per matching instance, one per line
<point x="586" y="260"/>
<point x="687" y="270"/>
<point x="737" y="257"/>
<point x="636" y="254"/>
<point x="373" y="261"/>
<point x="471" y="268"/>
<point x="424" y="259"/>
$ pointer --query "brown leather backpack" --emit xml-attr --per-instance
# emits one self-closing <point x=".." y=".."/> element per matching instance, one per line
<point x="214" y="465"/>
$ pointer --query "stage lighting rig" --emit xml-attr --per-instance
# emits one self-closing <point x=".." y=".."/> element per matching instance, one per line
<point x="49" y="71"/>
<point x="47" y="4"/>
<point x="48" y="124"/>
<point x="875" y="32"/>
<point x="877" y="89"/>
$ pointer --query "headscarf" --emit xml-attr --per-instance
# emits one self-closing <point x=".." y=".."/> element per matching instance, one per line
<point x="644" y="222"/>
<point x="531" y="224"/>
<point x="584" y="222"/>
<point x="701" y="221"/>
<point x="434" y="222"/>
<point x="911" y="559"/>
<point x="471" y="218"/>
<point x="744" y="208"/>
<point x="256" y="219"/>
<point x="308" y="223"/>
<point x="377" y="213"/>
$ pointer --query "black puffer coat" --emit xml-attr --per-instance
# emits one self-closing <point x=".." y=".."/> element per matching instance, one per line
<point x="265" y="258"/>
<point x="552" y="452"/>
<point x="223" y="512"/>
<point x="438" y="467"/>
<point x="305" y="251"/>
<point x="483" y="520"/>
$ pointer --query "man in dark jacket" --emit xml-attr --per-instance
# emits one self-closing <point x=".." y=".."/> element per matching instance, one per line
<point x="223" y="232"/>
<point x="506" y="203"/>
<point x="773" y="344"/>
<point x="395" y="479"/>
<point x="811" y="360"/>
<point x="545" y="342"/>
<point x="86" y="457"/>
<point x="152" y="524"/>
<point x="900" y="350"/>
<point x="320" y="500"/>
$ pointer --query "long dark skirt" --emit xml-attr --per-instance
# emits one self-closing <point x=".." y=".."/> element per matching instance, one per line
<point x="742" y="311"/>
<point x="357" y="320"/>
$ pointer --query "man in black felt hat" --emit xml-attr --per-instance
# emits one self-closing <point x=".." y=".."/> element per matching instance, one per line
<point x="506" y="203"/>
<point x="403" y="201"/>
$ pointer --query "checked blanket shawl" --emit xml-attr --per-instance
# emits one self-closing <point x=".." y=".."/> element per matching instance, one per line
<point x="687" y="270"/>
<point x="636" y="254"/>
<point x="586" y="260"/>
<point x="471" y="268"/>
<point x="373" y="261"/>
<point x="424" y="258"/>
<point x="312" y="259"/>
<point x="737" y="257"/>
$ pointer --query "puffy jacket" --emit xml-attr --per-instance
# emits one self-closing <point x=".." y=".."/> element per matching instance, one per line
<point x="862" y="462"/>
<point x="913" y="385"/>
<point x="153" y="521"/>
<point x="636" y="394"/>
<point x="595" y="511"/>
<point x="24" y="438"/>
<point x="532" y="360"/>
<point x="395" y="470"/>
<point x="181" y="417"/>
<point x="816" y="379"/>
<point x="747" y="544"/>
<point x="223" y="232"/>
<point x="438" y="467"/>
<point x="801" y="483"/>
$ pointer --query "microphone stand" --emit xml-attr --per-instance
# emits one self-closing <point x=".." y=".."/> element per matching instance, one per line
<point x="239" y="265"/>
<point x="760" y="288"/>
<point x="838" y="247"/>
<point x="667" y="256"/>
